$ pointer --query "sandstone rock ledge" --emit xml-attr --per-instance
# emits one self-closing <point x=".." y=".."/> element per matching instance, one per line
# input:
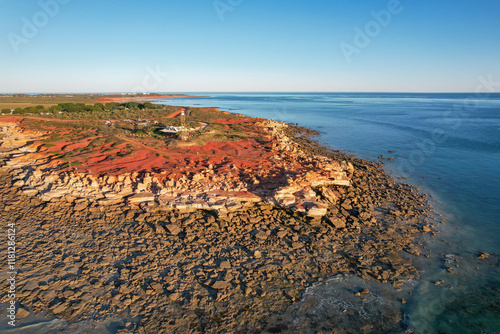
<point x="297" y="181"/>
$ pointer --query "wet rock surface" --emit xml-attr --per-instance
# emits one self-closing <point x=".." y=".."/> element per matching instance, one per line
<point x="347" y="304"/>
<point x="208" y="270"/>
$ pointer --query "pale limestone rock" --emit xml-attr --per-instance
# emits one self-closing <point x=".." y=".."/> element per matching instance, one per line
<point x="127" y="181"/>
<point x="37" y="173"/>
<point x="110" y="201"/>
<point x="56" y="193"/>
<point x="198" y="177"/>
<point x="111" y="179"/>
<point x="330" y="195"/>
<point x="30" y="192"/>
<point x="317" y="211"/>
<point x="18" y="184"/>
<point x="141" y="197"/>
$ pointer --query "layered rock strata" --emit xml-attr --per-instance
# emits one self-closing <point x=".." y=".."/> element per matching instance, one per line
<point x="297" y="181"/>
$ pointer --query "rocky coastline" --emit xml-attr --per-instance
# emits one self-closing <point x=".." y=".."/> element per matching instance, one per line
<point x="224" y="188"/>
<point x="150" y="252"/>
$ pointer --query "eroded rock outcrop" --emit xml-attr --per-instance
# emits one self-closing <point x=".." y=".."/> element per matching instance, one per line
<point x="295" y="181"/>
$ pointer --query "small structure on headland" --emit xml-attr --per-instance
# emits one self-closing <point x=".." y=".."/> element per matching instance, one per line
<point x="182" y="130"/>
<point x="184" y="133"/>
<point x="173" y="129"/>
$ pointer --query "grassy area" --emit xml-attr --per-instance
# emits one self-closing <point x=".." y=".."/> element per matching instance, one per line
<point x="48" y="99"/>
<point x="13" y="105"/>
<point x="13" y="101"/>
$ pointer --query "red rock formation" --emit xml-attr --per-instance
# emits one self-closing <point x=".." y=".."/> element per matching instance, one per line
<point x="230" y="176"/>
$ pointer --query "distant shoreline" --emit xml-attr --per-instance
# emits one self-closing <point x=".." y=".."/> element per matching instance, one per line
<point x="13" y="101"/>
<point x="144" y="98"/>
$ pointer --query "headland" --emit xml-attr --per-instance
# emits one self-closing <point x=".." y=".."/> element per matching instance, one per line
<point x="121" y="219"/>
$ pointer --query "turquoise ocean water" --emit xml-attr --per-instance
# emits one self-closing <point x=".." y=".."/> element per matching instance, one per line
<point x="449" y="145"/>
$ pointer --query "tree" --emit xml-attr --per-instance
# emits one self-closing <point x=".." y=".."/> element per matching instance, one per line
<point x="131" y="105"/>
<point x="111" y="105"/>
<point x="18" y="111"/>
<point x="32" y="110"/>
<point x="55" y="109"/>
<point x="5" y="111"/>
<point x="69" y="107"/>
<point x="98" y="107"/>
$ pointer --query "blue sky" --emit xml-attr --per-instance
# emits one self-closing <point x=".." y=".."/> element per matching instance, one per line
<point x="247" y="45"/>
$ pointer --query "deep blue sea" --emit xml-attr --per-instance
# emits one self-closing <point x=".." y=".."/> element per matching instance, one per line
<point x="449" y="145"/>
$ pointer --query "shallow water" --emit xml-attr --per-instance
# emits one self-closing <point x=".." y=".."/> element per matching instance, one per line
<point x="45" y="324"/>
<point x="449" y="144"/>
<point x="339" y="304"/>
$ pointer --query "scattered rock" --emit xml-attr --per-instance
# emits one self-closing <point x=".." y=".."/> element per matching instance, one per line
<point x="18" y="184"/>
<point x="174" y="296"/>
<point x="173" y="229"/>
<point x="22" y="313"/>
<point x="426" y="229"/>
<point x="220" y="285"/>
<point x="80" y="206"/>
<point x="103" y="260"/>
<point x="261" y="235"/>
<point x="281" y="234"/>
<point x="225" y="265"/>
<point x="59" y="309"/>
<point x="483" y="255"/>
<point x="337" y="222"/>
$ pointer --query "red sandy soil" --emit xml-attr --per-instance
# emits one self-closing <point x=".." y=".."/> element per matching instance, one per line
<point x="10" y="119"/>
<point x="176" y="162"/>
<point x="193" y="159"/>
<point x="177" y="113"/>
<point x="141" y="98"/>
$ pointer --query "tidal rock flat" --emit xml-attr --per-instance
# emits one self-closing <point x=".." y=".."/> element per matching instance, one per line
<point x="144" y="266"/>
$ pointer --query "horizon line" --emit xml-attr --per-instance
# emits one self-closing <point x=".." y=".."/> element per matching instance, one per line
<point x="254" y="92"/>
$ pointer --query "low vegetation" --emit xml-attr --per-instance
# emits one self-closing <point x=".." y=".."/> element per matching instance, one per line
<point x="115" y="130"/>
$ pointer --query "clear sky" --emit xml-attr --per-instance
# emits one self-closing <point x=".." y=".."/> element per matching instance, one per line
<point x="247" y="45"/>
